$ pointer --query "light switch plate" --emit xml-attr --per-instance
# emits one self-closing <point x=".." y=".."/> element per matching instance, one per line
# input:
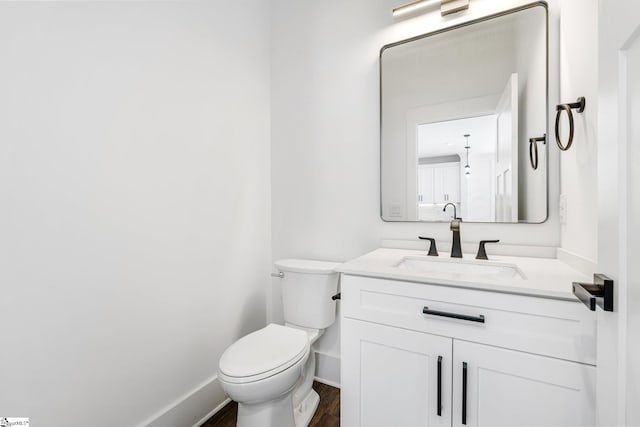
<point x="563" y="209"/>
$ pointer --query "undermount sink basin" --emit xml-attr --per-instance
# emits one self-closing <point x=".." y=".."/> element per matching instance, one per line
<point x="469" y="268"/>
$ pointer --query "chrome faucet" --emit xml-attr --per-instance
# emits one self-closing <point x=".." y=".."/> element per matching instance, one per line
<point x="456" y="249"/>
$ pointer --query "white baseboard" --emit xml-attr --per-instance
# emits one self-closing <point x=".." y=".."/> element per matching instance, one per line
<point x="328" y="369"/>
<point x="212" y="413"/>
<point x="193" y="409"/>
<point x="323" y="381"/>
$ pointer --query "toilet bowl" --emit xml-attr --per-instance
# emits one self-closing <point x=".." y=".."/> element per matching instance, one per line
<point x="260" y="372"/>
<point x="270" y="372"/>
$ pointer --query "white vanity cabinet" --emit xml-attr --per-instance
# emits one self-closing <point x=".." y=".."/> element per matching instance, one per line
<point x="513" y="388"/>
<point x="390" y="376"/>
<point x="530" y="363"/>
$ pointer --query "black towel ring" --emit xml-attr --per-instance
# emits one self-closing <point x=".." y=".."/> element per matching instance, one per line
<point x="533" y="149"/>
<point x="579" y="105"/>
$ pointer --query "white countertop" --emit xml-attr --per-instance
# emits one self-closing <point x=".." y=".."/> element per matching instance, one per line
<point x="543" y="277"/>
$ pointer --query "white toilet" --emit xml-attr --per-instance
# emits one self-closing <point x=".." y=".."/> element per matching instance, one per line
<point x="270" y="372"/>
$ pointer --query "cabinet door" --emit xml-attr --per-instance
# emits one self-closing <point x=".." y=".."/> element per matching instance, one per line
<point x="390" y="377"/>
<point x="439" y="191"/>
<point x="511" y="389"/>
<point x="447" y="183"/>
<point x="425" y="184"/>
<point x="451" y="183"/>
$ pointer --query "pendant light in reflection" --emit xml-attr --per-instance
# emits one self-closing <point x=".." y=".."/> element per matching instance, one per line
<point x="467" y="168"/>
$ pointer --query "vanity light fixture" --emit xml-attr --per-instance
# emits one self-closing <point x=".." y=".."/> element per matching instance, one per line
<point x="467" y="168"/>
<point x="446" y="6"/>
<point x="415" y="6"/>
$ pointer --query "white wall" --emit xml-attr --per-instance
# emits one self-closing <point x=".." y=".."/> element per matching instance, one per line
<point x="532" y="96"/>
<point x="579" y="77"/>
<point x="325" y="143"/>
<point x="134" y="202"/>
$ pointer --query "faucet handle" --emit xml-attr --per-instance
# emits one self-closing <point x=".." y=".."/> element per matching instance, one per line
<point x="482" y="253"/>
<point x="433" y="251"/>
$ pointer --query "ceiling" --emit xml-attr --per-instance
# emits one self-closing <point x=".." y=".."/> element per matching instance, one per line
<point x="447" y="138"/>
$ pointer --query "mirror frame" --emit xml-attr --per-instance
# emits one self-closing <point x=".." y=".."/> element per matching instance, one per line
<point x="540" y="3"/>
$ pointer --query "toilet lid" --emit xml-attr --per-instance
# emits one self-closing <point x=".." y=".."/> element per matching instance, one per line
<point x="263" y="353"/>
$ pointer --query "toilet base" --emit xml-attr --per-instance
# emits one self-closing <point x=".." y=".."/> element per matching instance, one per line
<point x="305" y="410"/>
<point x="275" y="413"/>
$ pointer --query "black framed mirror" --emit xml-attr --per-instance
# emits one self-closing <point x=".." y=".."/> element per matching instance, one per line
<point x="458" y="108"/>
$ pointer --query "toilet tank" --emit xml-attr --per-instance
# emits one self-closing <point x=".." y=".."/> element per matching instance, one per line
<point x="307" y="288"/>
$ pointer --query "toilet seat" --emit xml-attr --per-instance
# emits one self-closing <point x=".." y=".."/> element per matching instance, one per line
<point x="263" y="353"/>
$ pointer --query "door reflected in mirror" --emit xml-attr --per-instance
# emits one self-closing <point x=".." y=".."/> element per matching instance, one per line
<point x="458" y="107"/>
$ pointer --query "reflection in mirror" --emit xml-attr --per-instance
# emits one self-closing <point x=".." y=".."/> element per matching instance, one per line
<point x="458" y="107"/>
<point x="455" y="167"/>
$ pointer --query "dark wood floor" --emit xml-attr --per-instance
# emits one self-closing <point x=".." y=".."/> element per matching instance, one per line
<point x="327" y="415"/>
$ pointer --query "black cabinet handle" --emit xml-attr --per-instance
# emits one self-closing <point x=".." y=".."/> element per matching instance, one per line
<point x="479" y="319"/>
<point x="439" y="386"/>
<point x="337" y="296"/>
<point x="464" y="393"/>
